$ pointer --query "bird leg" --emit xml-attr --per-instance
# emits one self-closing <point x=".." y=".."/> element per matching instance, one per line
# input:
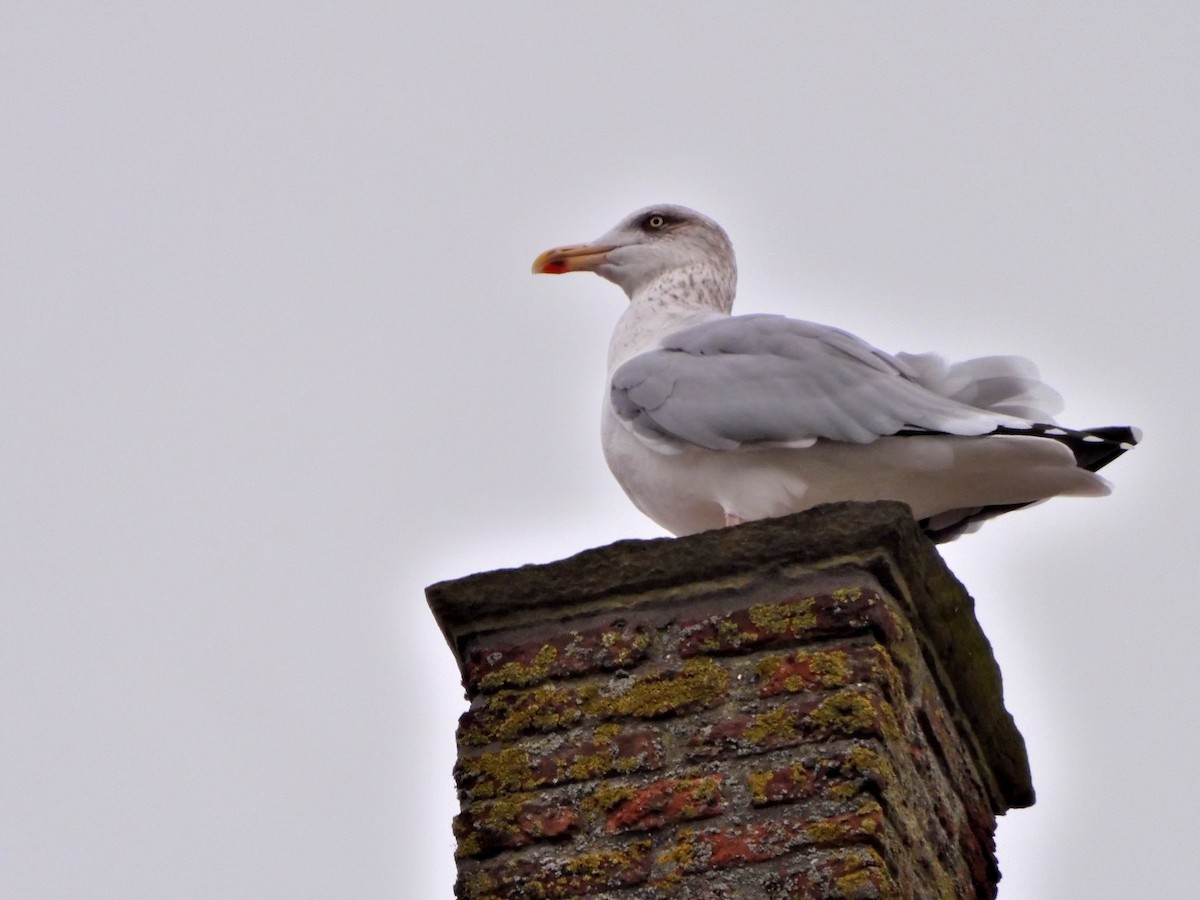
<point x="732" y="519"/>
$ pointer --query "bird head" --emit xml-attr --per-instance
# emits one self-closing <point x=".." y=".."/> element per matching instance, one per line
<point x="653" y="247"/>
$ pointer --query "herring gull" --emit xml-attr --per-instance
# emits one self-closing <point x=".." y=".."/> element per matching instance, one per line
<point x="713" y="419"/>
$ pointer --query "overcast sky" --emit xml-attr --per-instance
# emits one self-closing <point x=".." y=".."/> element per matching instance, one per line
<point x="273" y="361"/>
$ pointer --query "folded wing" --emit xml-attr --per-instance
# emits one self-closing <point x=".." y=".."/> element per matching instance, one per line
<point x="770" y="380"/>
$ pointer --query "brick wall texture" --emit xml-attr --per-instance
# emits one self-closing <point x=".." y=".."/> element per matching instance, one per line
<point x="767" y="728"/>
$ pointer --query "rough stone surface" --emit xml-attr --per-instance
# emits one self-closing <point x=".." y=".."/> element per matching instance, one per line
<point x="802" y="707"/>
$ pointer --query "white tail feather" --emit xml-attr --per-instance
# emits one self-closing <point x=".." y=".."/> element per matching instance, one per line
<point x="1005" y="384"/>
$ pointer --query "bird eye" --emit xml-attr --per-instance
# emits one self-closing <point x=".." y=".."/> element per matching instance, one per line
<point x="656" y="222"/>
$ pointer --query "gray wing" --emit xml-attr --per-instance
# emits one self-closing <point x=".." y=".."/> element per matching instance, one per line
<point x="763" y="379"/>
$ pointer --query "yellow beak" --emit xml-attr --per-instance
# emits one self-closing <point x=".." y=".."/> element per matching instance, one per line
<point x="576" y="258"/>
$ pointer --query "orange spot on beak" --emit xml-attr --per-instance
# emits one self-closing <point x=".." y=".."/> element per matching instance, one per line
<point x="577" y="258"/>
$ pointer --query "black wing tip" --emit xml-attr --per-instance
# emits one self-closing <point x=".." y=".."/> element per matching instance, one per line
<point x="1094" y="448"/>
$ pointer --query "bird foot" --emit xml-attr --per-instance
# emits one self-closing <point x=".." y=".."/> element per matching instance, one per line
<point x="731" y="519"/>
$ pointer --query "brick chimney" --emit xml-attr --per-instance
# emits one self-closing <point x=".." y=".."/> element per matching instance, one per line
<point x="797" y="707"/>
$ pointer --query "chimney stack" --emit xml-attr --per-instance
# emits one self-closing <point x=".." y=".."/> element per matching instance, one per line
<point x="796" y="707"/>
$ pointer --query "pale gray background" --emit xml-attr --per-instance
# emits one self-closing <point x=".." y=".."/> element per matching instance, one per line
<point x="273" y="361"/>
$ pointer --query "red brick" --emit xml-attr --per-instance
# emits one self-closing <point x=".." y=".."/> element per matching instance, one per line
<point x="857" y="873"/>
<point x="851" y="712"/>
<point x="484" y="829"/>
<point x="821" y="668"/>
<point x="853" y="771"/>
<point x="758" y="841"/>
<point x="699" y="684"/>
<point x="659" y="803"/>
<point x="510" y="714"/>
<point x="842" y="613"/>
<point x="614" y="646"/>
<point x="607" y="868"/>
<point x="781" y="785"/>
<point x="608" y="751"/>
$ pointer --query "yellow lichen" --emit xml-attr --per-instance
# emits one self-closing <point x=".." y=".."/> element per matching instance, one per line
<point x="863" y="883"/>
<point x="603" y="761"/>
<point x="681" y="853"/>
<point x="585" y="767"/>
<point x="843" y="790"/>
<point x="837" y="830"/>
<point x="884" y="671"/>
<point x="847" y="712"/>
<point x="700" y="682"/>
<point x="826" y="832"/>
<point x="758" y="782"/>
<point x="775" y="723"/>
<point x="468" y="846"/>
<point x="871" y="808"/>
<point x="830" y="667"/>
<point x="784" y="618"/>
<point x="598" y="863"/>
<point x="520" y="674"/>
<point x="607" y="733"/>
<point x="768" y="666"/>
<point x="865" y="762"/>
<point x="606" y="798"/>
<point x="509" y="714"/>
<point x="500" y="772"/>
<point x="580" y="874"/>
<point x="728" y="630"/>
<point x="706" y="788"/>
<point x="480" y="884"/>
<point x="501" y="814"/>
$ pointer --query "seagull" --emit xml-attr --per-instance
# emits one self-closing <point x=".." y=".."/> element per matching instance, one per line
<point x="713" y="419"/>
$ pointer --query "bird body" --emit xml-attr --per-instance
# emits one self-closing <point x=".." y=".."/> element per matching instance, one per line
<point x="712" y="419"/>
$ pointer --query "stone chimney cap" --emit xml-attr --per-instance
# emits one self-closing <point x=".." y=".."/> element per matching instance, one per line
<point x="881" y="537"/>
